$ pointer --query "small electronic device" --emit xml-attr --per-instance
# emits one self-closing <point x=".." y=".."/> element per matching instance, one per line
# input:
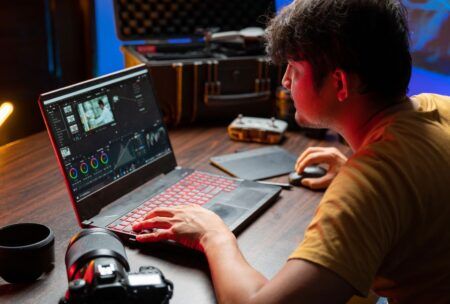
<point x="295" y="178"/>
<point x="262" y="130"/>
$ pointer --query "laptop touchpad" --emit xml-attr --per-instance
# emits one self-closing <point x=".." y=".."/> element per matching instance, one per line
<point x="246" y="198"/>
<point x="227" y="213"/>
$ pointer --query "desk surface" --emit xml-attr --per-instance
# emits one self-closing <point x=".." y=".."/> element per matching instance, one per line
<point x="32" y="190"/>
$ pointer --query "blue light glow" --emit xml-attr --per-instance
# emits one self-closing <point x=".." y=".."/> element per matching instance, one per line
<point x="179" y="40"/>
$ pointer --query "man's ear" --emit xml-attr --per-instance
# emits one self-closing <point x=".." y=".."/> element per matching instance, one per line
<point x="340" y="80"/>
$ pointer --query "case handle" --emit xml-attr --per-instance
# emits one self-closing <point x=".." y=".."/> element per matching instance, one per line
<point x="236" y="99"/>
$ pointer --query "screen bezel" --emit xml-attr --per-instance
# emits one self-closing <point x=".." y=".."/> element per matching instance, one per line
<point x="91" y="205"/>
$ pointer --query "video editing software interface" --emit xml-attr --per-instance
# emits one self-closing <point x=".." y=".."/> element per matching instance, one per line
<point x="106" y="131"/>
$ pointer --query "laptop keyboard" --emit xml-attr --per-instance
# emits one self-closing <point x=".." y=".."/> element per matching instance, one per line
<point x="196" y="188"/>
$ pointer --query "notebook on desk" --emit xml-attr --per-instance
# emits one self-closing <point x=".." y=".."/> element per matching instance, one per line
<point x="117" y="160"/>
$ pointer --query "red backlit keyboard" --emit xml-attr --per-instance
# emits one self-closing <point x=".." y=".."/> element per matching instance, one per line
<point x="197" y="188"/>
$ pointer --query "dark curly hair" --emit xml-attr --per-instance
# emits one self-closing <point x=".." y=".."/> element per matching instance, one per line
<point x="367" y="37"/>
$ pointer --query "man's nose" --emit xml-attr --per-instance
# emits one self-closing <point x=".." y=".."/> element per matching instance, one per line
<point x="286" y="81"/>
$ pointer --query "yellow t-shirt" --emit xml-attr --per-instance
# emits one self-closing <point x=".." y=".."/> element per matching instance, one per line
<point x="384" y="222"/>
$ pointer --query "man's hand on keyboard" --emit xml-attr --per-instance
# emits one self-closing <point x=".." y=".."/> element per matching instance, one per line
<point x="191" y="226"/>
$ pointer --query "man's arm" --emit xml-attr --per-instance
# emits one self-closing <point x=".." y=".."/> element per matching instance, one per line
<point x="235" y="281"/>
<point x="299" y="281"/>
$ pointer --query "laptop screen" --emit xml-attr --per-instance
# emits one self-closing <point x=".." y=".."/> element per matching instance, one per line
<point x="105" y="130"/>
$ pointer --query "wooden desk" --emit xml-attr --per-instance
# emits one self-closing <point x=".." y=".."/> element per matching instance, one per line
<point x="32" y="190"/>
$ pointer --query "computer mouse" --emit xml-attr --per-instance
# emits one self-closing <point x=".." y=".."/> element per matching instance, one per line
<point x="295" y="179"/>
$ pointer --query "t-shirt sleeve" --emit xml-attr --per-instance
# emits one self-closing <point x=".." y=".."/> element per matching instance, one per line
<point x="354" y="224"/>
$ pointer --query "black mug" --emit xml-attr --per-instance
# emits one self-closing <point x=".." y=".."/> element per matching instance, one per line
<point x="26" y="252"/>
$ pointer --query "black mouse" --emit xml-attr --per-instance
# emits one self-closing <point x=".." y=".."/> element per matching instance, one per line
<point x="295" y="179"/>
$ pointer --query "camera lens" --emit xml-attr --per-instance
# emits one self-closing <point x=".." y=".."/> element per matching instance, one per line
<point x="90" y="244"/>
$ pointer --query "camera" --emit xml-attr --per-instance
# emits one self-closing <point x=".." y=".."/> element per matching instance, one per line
<point x="98" y="272"/>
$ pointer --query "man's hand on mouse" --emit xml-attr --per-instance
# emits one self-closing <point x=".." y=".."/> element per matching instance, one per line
<point x="320" y="155"/>
<point x="190" y="225"/>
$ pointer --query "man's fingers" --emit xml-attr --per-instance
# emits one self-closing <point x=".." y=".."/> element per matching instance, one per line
<point x="314" y="158"/>
<point x="161" y="211"/>
<point x="156" y="236"/>
<point x="307" y="152"/>
<point x="156" y="222"/>
<point x="334" y="155"/>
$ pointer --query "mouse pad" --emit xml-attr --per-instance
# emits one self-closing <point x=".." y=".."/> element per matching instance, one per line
<point x="256" y="164"/>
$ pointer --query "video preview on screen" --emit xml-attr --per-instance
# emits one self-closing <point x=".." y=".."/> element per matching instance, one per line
<point x="95" y="113"/>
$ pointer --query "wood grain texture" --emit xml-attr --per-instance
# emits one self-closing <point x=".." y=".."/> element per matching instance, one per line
<point x="32" y="190"/>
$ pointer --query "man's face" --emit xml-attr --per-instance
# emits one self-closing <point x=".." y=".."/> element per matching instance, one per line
<point x="311" y="105"/>
<point x="101" y="106"/>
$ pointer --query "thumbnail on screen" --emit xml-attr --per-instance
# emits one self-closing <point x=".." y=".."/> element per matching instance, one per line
<point x="95" y="113"/>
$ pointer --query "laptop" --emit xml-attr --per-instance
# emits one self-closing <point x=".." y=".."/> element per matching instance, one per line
<point x="118" y="164"/>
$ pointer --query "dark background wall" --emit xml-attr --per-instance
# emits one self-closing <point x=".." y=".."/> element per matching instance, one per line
<point x="44" y="44"/>
<point x="47" y="44"/>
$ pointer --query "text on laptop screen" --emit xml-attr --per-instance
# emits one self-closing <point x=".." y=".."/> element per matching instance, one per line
<point x="97" y="140"/>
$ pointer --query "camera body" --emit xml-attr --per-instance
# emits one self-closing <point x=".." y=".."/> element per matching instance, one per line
<point x="101" y="274"/>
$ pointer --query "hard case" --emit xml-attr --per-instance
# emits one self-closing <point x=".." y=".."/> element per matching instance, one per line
<point x="193" y="79"/>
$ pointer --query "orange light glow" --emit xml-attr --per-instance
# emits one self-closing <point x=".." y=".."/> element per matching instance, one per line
<point x="5" y="110"/>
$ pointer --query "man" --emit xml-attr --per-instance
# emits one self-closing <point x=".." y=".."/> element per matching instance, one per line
<point x="105" y="117"/>
<point x="384" y="221"/>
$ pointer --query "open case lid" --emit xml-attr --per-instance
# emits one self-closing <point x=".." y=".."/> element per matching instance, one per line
<point x="166" y="19"/>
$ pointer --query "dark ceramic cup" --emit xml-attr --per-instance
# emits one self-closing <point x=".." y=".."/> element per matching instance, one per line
<point x="27" y="250"/>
